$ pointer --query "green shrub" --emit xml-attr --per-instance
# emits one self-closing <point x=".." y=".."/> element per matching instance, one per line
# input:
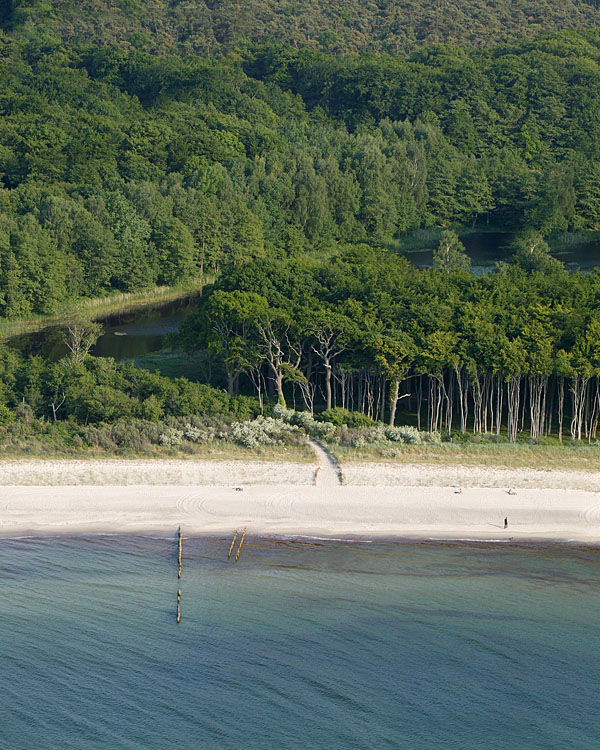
<point x="264" y="431"/>
<point x="340" y="417"/>
<point x="171" y="436"/>
<point x="151" y="408"/>
<point x="244" y="408"/>
<point x="384" y="435"/>
<point x="196" y="398"/>
<point x="6" y="415"/>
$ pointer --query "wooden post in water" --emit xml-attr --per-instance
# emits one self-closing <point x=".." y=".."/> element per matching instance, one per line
<point x="232" y="545"/>
<point x="180" y="543"/>
<point x="237" y="557"/>
<point x="178" y="605"/>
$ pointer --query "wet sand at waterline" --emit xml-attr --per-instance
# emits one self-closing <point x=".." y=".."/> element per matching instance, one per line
<point x="138" y="497"/>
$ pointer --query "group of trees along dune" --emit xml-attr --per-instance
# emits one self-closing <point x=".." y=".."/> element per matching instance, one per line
<point x="516" y="351"/>
<point x="121" y="169"/>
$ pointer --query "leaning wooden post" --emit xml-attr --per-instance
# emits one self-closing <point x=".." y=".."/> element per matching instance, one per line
<point x="178" y="605"/>
<point x="180" y="543"/>
<point x="237" y="557"/>
<point x="232" y="545"/>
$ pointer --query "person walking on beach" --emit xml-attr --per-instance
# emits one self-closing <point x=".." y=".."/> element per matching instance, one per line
<point x="506" y="523"/>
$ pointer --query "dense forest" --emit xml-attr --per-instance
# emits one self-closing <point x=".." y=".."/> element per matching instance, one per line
<point x="339" y="26"/>
<point x="516" y="350"/>
<point x="361" y="337"/>
<point x="121" y="170"/>
<point x="161" y="143"/>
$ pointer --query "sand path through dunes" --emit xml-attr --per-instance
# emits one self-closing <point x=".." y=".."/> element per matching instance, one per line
<point x="327" y="474"/>
<point x="329" y="510"/>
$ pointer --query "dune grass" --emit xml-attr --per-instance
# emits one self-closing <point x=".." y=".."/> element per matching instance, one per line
<point x="568" y="456"/>
<point x="213" y="450"/>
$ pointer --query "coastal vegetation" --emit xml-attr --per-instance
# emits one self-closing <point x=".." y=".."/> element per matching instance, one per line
<point x="567" y="456"/>
<point x="356" y="341"/>
<point x="292" y="177"/>
<point x="84" y="404"/>
<point x="352" y="342"/>
<point x="510" y="353"/>
<point x="189" y="438"/>
<point x="121" y="170"/>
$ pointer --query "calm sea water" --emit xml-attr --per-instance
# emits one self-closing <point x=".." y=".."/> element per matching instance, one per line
<point x="300" y="645"/>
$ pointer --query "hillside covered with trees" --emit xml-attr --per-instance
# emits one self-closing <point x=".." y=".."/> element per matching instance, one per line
<point x="214" y="28"/>
<point x="120" y="169"/>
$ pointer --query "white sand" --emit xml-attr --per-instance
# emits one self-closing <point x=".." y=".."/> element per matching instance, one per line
<point x="162" y="503"/>
<point x="436" y="475"/>
<point x="153" y="472"/>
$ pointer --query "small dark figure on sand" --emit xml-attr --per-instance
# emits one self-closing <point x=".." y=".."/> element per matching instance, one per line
<point x="506" y="523"/>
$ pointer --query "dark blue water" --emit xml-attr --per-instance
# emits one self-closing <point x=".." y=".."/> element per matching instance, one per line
<point x="326" y="645"/>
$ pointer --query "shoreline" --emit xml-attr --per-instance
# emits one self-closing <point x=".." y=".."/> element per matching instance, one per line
<point x="350" y="513"/>
<point x="170" y="535"/>
<point x="99" y="308"/>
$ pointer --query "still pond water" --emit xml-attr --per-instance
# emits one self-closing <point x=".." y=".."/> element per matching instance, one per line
<point x="126" y="335"/>
<point x="487" y="248"/>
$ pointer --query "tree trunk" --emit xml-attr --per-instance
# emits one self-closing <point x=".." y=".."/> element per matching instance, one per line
<point x="561" y="407"/>
<point x="327" y="366"/>
<point x="499" y="399"/>
<point x="513" y="397"/>
<point x="394" y="400"/>
<point x="230" y="382"/>
<point x="537" y="390"/>
<point x="579" y="386"/>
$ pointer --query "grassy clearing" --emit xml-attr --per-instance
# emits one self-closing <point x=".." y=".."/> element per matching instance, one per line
<point x="100" y="307"/>
<point x="217" y="450"/>
<point x="171" y="363"/>
<point x="568" y="456"/>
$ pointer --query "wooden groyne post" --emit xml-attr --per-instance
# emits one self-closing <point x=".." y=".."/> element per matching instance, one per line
<point x="179" y="550"/>
<point x="178" y="605"/>
<point x="232" y="545"/>
<point x="237" y="556"/>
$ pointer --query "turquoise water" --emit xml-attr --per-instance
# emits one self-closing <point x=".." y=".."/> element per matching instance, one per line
<point x="299" y="645"/>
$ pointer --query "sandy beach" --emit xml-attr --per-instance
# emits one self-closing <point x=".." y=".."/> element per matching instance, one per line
<point x="108" y="471"/>
<point x="282" y="499"/>
<point x="439" y="475"/>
